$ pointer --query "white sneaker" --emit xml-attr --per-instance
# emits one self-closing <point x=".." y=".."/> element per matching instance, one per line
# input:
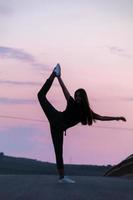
<point x="57" y="70"/>
<point x="66" y="180"/>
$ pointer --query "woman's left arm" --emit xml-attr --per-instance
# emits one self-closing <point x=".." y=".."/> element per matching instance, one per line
<point x="107" y="118"/>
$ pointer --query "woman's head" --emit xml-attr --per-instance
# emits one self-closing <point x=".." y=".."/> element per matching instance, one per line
<point x="81" y="99"/>
<point x="80" y="96"/>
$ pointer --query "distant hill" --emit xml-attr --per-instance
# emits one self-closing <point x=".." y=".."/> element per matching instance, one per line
<point x="13" y="165"/>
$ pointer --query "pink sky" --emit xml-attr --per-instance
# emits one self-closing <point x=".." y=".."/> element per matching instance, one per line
<point x="92" y="40"/>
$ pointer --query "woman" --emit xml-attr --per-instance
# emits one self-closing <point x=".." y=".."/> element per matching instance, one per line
<point x="77" y="110"/>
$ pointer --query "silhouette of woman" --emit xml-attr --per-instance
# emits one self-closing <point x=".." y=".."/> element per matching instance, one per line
<point x="77" y="110"/>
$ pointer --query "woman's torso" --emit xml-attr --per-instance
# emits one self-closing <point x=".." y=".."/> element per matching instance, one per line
<point x="71" y="115"/>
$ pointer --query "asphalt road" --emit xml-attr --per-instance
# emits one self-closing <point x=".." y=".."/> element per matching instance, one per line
<point x="46" y="187"/>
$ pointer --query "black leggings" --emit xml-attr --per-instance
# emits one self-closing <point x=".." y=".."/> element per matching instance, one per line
<point x="55" y="120"/>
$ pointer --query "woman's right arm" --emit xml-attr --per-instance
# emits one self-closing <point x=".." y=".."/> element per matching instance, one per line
<point x="64" y="89"/>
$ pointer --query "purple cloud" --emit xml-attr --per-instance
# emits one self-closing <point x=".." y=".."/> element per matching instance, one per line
<point x="19" y="82"/>
<point x="5" y="10"/>
<point x="14" y="101"/>
<point x="128" y="99"/>
<point x="8" y="52"/>
<point x="19" y="54"/>
<point x="118" y="51"/>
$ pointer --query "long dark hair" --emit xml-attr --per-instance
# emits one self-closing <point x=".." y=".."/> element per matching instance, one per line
<point x="86" y="113"/>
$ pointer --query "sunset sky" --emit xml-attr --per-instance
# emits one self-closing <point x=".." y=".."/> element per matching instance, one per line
<point x="93" y="42"/>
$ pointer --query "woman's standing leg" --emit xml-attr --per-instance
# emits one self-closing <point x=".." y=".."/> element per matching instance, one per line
<point x="57" y="137"/>
<point x="52" y="113"/>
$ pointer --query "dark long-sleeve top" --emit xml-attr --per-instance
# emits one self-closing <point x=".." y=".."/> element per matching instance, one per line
<point x="71" y="115"/>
